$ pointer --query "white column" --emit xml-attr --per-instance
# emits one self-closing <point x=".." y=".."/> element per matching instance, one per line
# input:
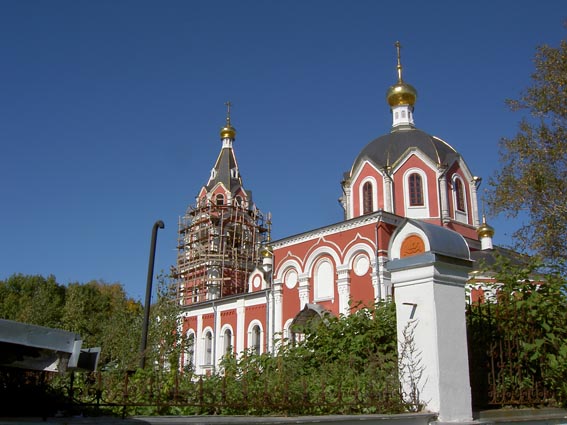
<point x="474" y="202"/>
<point x="430" y="309"/>
<point x="348" y="203"/>
<point x="199" y="347"/>
<point x="303" y="290"/>
<point x="380" y="279"/>
<point x="240" y="320"/>
<point x="443" y="195"/>
<point x="388" y="204"/>
<point x="375" y="279"/>
<point x="278" y="310"/>
<point x="343" y="288"/>
<point x="218" y="347"/>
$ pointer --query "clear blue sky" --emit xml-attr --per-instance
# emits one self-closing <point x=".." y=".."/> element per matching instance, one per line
<point x="110" y="111"/>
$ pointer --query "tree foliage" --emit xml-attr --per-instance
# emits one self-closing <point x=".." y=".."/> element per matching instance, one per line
<point x="32" y="299"/>
<point x="524" y="326"/>
<point x="533" y="175"/>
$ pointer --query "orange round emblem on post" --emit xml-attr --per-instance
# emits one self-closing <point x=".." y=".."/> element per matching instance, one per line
<point x="412" y="245"/>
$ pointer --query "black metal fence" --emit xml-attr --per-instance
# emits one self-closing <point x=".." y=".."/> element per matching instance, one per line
<point x="177" y="393"/>
<point x="502" y="371"/>
<point x="174" y="392"/>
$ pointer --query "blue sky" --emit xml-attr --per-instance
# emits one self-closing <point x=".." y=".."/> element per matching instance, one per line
<point x="110" y="111"/>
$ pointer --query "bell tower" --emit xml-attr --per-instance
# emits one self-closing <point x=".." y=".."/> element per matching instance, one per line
<point x="219" y="237"/>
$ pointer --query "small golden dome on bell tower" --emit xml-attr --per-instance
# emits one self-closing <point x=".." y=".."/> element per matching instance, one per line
<point x="228" y="131"/>
<point x="401" y="93"/>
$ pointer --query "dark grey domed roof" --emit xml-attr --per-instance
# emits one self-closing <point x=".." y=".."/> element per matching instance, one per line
<point x="388" y="149"/>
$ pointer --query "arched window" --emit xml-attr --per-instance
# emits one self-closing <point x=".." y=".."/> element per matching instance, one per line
<point x="256" y="339"/>
<point x="415" y="190"/>
<point x="367" y="204"/>
<point x="323" y="280"/>
<point x="190" y="352"/>
<point x="220" y="199"/>
<point x="208" y="348"/>
<point x="459" y="195"/>
<point x="227" y="341"/>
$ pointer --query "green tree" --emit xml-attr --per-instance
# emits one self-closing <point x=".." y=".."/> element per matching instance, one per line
<point x="525" y="328"/>
<point x="32" y="299"/>
<point x="104" y="316"/>
<point x="533" y="175"/>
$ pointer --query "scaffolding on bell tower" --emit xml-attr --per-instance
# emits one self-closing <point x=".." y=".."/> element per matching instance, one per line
<point x="218" y="248"/>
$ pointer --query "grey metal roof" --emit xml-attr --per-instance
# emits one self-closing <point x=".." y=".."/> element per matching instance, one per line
<point x="41" y="348"/>
<point x="444" y="241"/>
<point x="388" y="149"/>
<point x="226" y="162"/>
<point x="488" y="258"/>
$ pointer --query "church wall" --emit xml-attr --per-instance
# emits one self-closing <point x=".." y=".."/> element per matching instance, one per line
<point x="350" y="251"/>
<point x="209" y="321"/>
<point x="361" y="289"/>
<point x="367" y="173"/>
<point x="430" y="188"/>
<point x="255" y="314"/>
<point x="290" y="302"/>
<point x="467" y="231"/>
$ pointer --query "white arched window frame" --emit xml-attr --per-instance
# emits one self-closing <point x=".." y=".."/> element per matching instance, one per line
<point x="287" y="330"/>
<point x="416" y="211"/>
<point x="324" y="280"/>
<point x="374" y="195"/>
<point x="255" y="337"/>
<point x="189" y="358"/>
<point x="227" y="339"/>
<point x="460" y="199"/>
<point x="207" y="344"/>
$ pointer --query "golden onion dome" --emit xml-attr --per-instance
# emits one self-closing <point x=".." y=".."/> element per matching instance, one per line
<point x="401" y="94"/>
<point x="485" y="230"/>
<point x="228" y="132"/>
<point x="267" y="251"/>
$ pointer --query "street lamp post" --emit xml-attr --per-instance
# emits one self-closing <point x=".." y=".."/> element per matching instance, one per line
<point x="143" y="345"/>
<point x="267" y="254"/>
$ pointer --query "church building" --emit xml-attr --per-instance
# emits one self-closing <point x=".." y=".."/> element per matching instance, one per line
<point x="241" y="291"/>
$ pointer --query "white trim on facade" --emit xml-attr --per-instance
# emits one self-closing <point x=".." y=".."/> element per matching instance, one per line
<point x="251" y="336"/>
<point x="416" y="211"/>
<point x="462" y="216"/>
<point x="374" y="185"/>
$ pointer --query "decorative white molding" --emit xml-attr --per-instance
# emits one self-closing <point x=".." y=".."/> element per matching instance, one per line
<point x="337" y="228"/>
<point x="303" y="290"/>
<point x="419" y="211"/>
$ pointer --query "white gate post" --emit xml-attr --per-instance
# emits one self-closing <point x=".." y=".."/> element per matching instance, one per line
<point x="430" y="304"/>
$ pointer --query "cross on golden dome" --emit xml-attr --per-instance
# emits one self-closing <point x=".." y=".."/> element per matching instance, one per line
<point x="228" y="131"/>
